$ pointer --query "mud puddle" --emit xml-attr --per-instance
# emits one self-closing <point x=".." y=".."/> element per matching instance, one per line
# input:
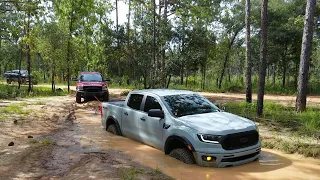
<point x="271" y="165"/>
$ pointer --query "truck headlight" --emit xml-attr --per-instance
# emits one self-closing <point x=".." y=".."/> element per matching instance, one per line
<point x="80" y="88"/>
<point x="104" y="88"/>
<point x="209" y="138"/>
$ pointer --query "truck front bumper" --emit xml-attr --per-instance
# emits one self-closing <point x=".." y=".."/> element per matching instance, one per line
<point x="92" y="94"/>
<point x="227" y="159"/>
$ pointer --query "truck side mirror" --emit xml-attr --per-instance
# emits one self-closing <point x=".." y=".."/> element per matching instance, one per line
<point x="108" y="79"/>
<point x="156" y="113"/>
<point x="74" y="79"/>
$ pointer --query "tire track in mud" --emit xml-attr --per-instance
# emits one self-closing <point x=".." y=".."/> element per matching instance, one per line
<point x="60" y="155"/>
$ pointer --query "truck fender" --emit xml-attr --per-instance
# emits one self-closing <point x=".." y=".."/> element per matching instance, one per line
<point x="172" y="138"/>
<point x="110" y="120"/>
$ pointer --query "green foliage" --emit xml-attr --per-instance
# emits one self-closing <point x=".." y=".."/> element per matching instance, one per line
<point x="8" y="91"/>
<point x="131" y="174"/>
<point x="14" y="109"/>
<point x="36" y="75"/>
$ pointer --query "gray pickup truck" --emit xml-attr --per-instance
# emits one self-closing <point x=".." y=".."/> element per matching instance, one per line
<point x="184" y="125"/>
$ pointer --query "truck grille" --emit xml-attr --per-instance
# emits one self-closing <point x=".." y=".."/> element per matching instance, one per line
<point x="92" y="89"/>
<point x="240" y="140"/>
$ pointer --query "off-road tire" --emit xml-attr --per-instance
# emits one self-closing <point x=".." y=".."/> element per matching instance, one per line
<point x="183" y="155"/>
<point x="105" y="97"/>
<point x="112" y="128"/>
<point x="78" y="98"/>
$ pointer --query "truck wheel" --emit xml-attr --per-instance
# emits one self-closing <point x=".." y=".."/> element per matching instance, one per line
<point x="78" y="98"/>
<point x="112" y="128"/>
<point x="183" y="155"/>
<point x="106" y="97"/>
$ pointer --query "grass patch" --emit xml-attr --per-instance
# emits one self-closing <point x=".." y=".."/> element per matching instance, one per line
<point x="39" y="103"/>
<point x="46" y="141"/>
<point x="279" y="116"/>
<point x="15" y="109"/>
<point x="308" y="150"/>
<point x="131" y="174"/>
<point x="33" y="141"/>
<point x="12" y="91"/>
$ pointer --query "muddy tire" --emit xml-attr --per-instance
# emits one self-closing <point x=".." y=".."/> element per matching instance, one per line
<point x="183" y="155"/>
<point x="78" y="98"/>
<point x="106" y="97"/>
<point x="112" y="128"/>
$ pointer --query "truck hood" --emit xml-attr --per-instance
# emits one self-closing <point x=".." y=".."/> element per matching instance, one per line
<point x="219" y="123"/>
<point x="91" y="84"/>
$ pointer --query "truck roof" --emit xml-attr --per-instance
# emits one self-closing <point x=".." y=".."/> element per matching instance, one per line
<point x="163" y="92"/>
<point x="90" y="73"/>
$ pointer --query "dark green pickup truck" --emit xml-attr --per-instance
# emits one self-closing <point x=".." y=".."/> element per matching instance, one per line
<point x="16" y="76"/>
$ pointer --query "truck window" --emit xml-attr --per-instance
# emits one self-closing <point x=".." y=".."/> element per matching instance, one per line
<point x="135" y="101"/>
<point x="151" y="103"/>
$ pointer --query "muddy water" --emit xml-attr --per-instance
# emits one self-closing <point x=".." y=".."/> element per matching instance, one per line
<point x="271" y="165"/>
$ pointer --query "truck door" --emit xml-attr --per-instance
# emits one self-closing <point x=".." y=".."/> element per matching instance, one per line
<point x="131" y="116"/>
<point x="151" y="128"/>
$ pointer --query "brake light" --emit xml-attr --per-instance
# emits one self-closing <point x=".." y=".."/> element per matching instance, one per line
<point x="101" y="111"/>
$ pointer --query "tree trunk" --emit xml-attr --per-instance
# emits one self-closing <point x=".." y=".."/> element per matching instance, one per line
<point x="68" y="54"/>
<point x="168" y="81"/>
<point x="248" y="53"/>
<point x="21" y="57"/>
<point x="229" y="75"/>
<point x="204" y="76"/>
<point x="181" y="75"/>
<point x="284" y="66"/>
<point x="28" y="55"/>
<point x="226" y="58"/>
<point x="187" y="79"/>
<point x="53" y="86"/>
<point x="274" y="69"/>
<point x="118" y="46"/>
<point x="263" y="56"/>
<point x="163" y="64"/>
<point x="284" y="72"/>
<point x="128" y="25"/>
<point x="306" y="51"/>
<point x="153" y="74"/>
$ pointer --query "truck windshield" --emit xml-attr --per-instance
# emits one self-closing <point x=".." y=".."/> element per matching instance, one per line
<point x="189" y="104"/>
<point x="90" y="78"/>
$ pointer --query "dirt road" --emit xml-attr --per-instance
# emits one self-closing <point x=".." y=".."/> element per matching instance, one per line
<point x="71" y="144"/>
<point x="50" y="142"/>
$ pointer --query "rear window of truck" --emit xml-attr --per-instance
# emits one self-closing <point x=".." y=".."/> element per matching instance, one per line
<point x="135" y="101"/>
